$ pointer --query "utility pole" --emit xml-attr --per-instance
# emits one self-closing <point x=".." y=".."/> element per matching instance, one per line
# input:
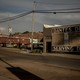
<point x="32" y="26"/>
<point x="9" y="31"/>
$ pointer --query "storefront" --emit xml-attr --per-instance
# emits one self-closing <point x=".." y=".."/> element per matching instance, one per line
<point x="60" y="38"/>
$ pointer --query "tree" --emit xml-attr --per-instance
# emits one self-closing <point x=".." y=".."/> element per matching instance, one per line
<point x="25" y="32"/>
<point x="17" y="33"/>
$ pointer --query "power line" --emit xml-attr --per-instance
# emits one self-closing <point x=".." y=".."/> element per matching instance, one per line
<point x="71" y="10"/>
<point x="57" y="11"/>
<point x="68" y="9"/>
<point x="15" y="17"/>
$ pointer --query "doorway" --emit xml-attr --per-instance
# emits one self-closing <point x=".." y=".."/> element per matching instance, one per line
<point x="48" y="47"/>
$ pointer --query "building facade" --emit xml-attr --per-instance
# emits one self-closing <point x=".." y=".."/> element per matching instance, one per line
<point x="60" y="38"/>
<point x="20" y="39"/>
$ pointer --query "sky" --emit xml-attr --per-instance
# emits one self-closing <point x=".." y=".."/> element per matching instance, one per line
<point x="9" y="8"/>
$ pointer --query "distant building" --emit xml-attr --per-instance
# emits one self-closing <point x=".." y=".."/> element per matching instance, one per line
<point x="20" y="39"/>
<point x="61" y="38"/>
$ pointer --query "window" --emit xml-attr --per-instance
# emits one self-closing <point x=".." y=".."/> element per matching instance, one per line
<point x="66" y="38"/>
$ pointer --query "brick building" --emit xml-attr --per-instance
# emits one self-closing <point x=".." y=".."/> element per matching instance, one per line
<point x="20" y="39"/>
<point x="61" y="38"/>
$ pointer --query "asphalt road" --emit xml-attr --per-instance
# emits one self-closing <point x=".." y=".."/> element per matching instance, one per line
<point x="18" y="66"/>
<point x="55" y="60"/>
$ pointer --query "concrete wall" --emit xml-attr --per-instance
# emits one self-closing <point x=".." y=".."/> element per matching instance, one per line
<point x="57" y="39"/>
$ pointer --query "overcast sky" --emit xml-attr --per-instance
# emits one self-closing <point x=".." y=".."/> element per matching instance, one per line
<point x="9" y="8"/>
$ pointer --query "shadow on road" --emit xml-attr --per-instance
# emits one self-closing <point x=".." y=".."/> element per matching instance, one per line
<point x="21" y="73"/>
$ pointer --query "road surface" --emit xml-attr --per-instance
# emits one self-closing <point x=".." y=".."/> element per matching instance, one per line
<point x="17" y="66"/>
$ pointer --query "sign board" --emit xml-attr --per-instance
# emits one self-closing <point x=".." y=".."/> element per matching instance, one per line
<point x="10" y="30"/>
<point x="34" y="40"/>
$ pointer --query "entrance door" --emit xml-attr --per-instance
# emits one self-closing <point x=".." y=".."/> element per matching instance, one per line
<point x="48" y="47"/>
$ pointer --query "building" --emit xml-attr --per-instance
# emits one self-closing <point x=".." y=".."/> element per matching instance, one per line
<point x="7" y="40"/>
<point x="61" y="38"/>
<point x="37" y="37"/>
<point x="20" y="39"/>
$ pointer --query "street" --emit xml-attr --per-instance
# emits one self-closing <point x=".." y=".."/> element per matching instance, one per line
<point x="17" y="66"/>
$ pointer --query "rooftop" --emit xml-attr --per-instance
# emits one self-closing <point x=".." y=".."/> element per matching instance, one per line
<point x="51" y="26"/>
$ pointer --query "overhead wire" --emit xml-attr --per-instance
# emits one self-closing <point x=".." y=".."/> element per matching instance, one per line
<point x="36" y="11"/>
<point x="68" y="10"/>
<point x="54" y="11"/>
<point x="15" y="17"/>
<point x="62" y="9"/>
